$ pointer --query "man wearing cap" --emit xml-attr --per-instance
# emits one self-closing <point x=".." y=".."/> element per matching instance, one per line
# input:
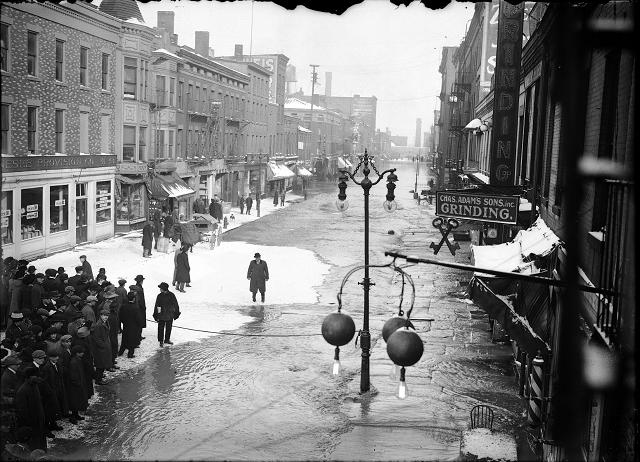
<point x="82" y="338"/>
<point x="86" y="268"/>
<point x="165" y="311"/>
<point x="121" y="290"/>
<point x="142" y="304"/>
<point x="49" y="401"/>
<point x="257" y="274"/>
<point x="77" y="384"/>
<point x="9" y="384"/>
<point x="101" y="346"/>
<point x="18" y="326"/>
<point x="112" y="304"/>
<point x="37" y="291"/>
<point x="51" y="372"/>
<point x="79" y="281"/>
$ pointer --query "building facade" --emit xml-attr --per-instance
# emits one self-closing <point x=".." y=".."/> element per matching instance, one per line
<point x="58" y="125"/>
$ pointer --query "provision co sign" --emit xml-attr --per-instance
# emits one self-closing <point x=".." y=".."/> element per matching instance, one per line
<point x="495" y="209"/>
<point x="31" y="163"/>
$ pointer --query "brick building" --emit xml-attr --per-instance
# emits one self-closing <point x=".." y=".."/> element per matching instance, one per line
<point x="59" y="91"/>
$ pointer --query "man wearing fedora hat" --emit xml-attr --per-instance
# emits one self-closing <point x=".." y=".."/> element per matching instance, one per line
<point x="165" y="311"/>
<point x="140" y="301"/>
<point x="257" y="274"/>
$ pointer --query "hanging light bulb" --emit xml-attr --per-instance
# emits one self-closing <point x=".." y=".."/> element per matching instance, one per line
<point x="402" y="389"/>
<point x="336" y="362"/>
<point x="390" y="206"/>
<point x="342" y="205"/>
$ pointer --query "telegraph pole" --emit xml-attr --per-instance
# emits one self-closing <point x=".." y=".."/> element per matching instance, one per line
<point x="314" y="79"/>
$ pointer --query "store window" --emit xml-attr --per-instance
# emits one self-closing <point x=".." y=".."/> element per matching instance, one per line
<point x="31" y="213"/>
<point x="131" y="204"/>
<point x="7" y="217"/>
<point x="59" y="208"/>
<point x="103" y="201"/>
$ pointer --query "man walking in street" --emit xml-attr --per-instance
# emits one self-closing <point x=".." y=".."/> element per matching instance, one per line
<point x="241" y="203"/>
<point x="165" y="311"/>
<point x="282" y="194"/>
<point x="249" y="202"/>
<point x="147" y="239"/>
<point x="257" y="274"/>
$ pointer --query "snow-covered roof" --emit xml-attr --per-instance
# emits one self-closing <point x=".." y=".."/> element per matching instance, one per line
<point x="278" y="171"/>
<point x="302" y="129"/>
<point x="162" y="51"/>
<point x="295" y="103"/>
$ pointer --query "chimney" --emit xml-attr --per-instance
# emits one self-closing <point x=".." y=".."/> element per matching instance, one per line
<point x="202" y="43"/>
<point x="165" y="21"/>
<point x="327" y="84"/>
<point x="238" y="51"/>
<point x="211" y="52"/>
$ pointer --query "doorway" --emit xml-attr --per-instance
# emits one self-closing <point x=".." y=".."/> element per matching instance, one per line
<point x="81" y="213"/>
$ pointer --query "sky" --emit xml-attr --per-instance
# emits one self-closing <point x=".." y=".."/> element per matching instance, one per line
<point x="373" y="49"/>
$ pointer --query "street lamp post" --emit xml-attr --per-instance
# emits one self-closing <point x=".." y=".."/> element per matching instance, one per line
<point x="366" y="162"/>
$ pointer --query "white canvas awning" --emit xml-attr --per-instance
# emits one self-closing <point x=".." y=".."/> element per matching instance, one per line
<point x="278" y="171"/>
<point x="301" y="171"/>
<point x="344" y="163"/>
<point x="475" y="123"/>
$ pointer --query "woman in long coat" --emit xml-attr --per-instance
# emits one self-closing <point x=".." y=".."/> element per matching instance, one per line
<point x="77" y="386"/>
<point x="182" y="269"/>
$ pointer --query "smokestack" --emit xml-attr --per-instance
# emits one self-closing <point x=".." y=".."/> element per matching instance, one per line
<point x="327" y="83"/>
<point x="165" y="21"/>
<point x="238" y="51"/>
<point x="202" y="43"/>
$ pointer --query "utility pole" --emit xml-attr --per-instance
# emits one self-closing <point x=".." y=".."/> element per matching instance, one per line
<point x="314" y="79"/>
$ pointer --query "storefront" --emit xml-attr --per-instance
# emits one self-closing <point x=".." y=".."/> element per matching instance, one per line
<point x="131" y="203"/>
<point x="302" y="178"/>
<point x="170" y="193"/>
<point x="279" y="176"/>
<point x="54" y="209"/>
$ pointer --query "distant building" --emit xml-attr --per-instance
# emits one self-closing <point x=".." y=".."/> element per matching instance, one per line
<point x="418" y="137"/>
<point x="400" y="140"/>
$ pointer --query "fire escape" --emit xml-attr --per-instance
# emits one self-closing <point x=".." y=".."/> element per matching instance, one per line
<point x="459" y="111"/>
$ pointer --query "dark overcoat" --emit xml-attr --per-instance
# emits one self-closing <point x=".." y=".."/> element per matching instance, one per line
<point x="53" y="375"/>
<point x="77" y="391"/>
<point x="249" y="201"/>
<point x="166" y="307"/>
<point x="87" y="271"/>
<point x="258" y="274"/>
<point x="142" y="304"/>
<point x="147" y="236"/>
<point x="30" y="413"/>
<point x="87" y="361"/>
<point x="101" y="345"/>
<point x="182" y="268"/>
<point x="130" y="318"/>
<point x="168" y="226"/>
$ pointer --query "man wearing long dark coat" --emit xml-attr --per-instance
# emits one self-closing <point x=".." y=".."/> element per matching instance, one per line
<point x="51" y="372"/>
<point x="77" y="391"/>
<point x="130" y="318"/>
<point x="147" y="239"/>
<point x="142" y="304"/>
<point x="182" y="269"/>
<point x="101" y="346"/>
<point x="29" y="409"/>
<point x="165" y="311"/>
<point x="257" y="274"/>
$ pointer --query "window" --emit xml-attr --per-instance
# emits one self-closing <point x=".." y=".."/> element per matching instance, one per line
<point x="59" y="60"/>
<point x="190" y="98"/>
<point x="129" y="144"/>
<point x="105" y="71"/>
<point x="161" y="92"/>
<point x="144" y="79"/>
<point x="170" y="147"/>
<point x="105" y="134"/>
<point x="180" y="93"/>
<point x="84" y="57"/>
<point x="5" y="128"/>
<point x="160" y="152"/>
<point x="32" y="53"/>
<point x="31" y="213"/>
<point x="179" y="143"/>
<point x="59" y="208"/>
<point x="142" y="143"/>
<point x="59" y="130"/>
<point x="84" y="133"/>
<point x="130" y="207"/>
<point x="172" y="92"/>
<point x="4" y="46"/>
<point x="130" y="74"/>
<point x="103" y="201"/>
<point x="32" y="129"/>
<point x="6" y="228"/>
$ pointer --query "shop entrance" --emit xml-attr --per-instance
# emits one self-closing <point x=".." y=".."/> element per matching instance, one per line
<point x="81" y="213"/>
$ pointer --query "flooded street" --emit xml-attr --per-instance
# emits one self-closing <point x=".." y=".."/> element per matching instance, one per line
<point x="265" y="391"/>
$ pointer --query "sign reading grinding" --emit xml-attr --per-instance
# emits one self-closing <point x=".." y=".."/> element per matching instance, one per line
<point x="506" y="88"/>
<point x="495" y="209"/>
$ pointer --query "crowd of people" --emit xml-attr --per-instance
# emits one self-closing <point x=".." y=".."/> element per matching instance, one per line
<point x="63" y="334"/>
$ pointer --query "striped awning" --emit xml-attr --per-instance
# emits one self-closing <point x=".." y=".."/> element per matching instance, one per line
<point x="164" y="186"/>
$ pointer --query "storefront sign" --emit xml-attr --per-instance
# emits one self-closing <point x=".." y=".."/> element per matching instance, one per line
<point x="31" y="215"/>
<point x="494" y="209"/>
<point x="5" y="222"/>
<point x="31" y="208"/>
<point x="32" y="163"/>
<point x="506" y="91"/>
<point x="130" y="168"/>
<point x="6" y="213"/>
<point x="130" y="222"/>
<point x="60" y="203"/>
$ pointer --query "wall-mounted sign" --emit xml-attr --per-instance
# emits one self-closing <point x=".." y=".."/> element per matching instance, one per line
<point x="6" y="213"/>
<point x="60" y="203"/>
<point x="494" y="209"/>
<point x="506" y="91"/>
<point x="32" y="215"/>
<point x="32" y="163"/>
<point x="5" y="222"/>
<point x="132" y="168"/>
<point x="32" y="208"/>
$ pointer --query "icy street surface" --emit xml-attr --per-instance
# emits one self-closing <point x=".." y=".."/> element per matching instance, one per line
<point x="262" y="389"/>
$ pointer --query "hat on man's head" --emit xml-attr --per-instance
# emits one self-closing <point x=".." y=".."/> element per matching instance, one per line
<point x="38" y="354"/>
<point x="139" y="277"/>
<point x="69" y="289"/>
<point x="164" y="286"/>
<point x="75" y="298"/>
<point x="17" y="315"/>
<point x="39" y="276"/>
<point x="122" y="281"/>
<point x="82" y="256"/>
<point x="66" y="338"/>
<point x="83" y="332"/>
<point x="256" y="255"/>
<point x="50" y="272"/>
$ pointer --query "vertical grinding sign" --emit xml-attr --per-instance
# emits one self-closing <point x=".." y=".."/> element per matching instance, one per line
<point x="506" y="87"/>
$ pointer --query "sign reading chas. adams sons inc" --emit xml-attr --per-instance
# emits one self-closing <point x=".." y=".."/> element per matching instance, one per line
<point x="31" y="163"/>
<point x="495" y="209"/>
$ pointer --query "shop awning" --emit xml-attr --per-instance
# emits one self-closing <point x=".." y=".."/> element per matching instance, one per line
<point x="301" y="171"/>
<point x="129" y="180"/>
<point x="344" y="163"/>
<point x="475" y="123"/>
<point x="278" y="171"/>
<point x="499" y="308"/>
<point x="304" y="130"/>
<point x="164" y="186"/>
